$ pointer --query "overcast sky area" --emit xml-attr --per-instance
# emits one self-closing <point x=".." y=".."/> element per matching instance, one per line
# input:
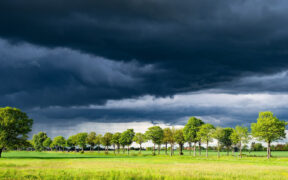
<point x="98" y="65"/>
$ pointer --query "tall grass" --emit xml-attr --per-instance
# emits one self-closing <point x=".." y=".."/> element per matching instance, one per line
<point x="51" y="165"/>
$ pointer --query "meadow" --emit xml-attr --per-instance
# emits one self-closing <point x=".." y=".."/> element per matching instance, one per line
<point x="94" y="165"/>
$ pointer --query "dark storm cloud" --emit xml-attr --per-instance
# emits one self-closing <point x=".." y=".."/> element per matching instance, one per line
<point x="200" y="42"/>
<point x="34" y="76"/>
<point x="65" y="54"/>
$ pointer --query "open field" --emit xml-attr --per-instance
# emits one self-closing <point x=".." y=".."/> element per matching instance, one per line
<point x="62" y="165"/>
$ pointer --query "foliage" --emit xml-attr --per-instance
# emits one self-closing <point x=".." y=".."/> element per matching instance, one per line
<point x="91" y="139"/>
<point x="225" y="140"/>
<point x="205" y="132"/>
<point x="59" y="141"/>
<point x="155" y="133"/>
<point x="81" y="140"/>
<point x="47" y="143"/>
<point x="191" y="128"/>
<point x="107" y="139"/>
<point x="126" y="138"/>
<point x="268" y="127"/>
<point x="14" y="127"/>
<point x="140" y="138"/>
<point x="38" y="140"/>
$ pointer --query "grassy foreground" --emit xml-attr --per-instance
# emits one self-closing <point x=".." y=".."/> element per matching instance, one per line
<point x="62" y="165"/>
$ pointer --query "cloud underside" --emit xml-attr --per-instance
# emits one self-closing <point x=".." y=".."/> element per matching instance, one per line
<point x="77" y="62"/>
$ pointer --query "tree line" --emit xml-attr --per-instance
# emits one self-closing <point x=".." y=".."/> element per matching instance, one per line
<point x="15" y="125"/>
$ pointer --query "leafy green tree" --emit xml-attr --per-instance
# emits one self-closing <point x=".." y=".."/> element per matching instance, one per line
<point x="206" y="134"/>
<point x="190" y="132"/>
<point x="171" y="134"/>
<point x="155" y="133"/>
<point x="166" y="134"/>
<point x="179" y="138"/>
<point x="240" y="136"/>
<point x="72" y="142"/>
<point x="218" y="135"/>
<point x="268" y="128"/>
<point x="256" y="146"/>
<point x="91" y="140"/>
<point x="140" y="138"/>
<point x="14" y="127"/>
<point x="81" y="140"/>
<point x="226" y="139"/>
<point x="59" y="142"/>
<point x="38" y="140"/>
<point x="107" y="140"/>
<point x="98" y="141"/>
<point x="116" y="140"/>
<point x="47" y="143"/>
<point x="127" y="138"/>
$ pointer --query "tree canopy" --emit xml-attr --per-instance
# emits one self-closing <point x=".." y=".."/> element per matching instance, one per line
<point x="268" y="128"/>
<point x="14" y="127"/>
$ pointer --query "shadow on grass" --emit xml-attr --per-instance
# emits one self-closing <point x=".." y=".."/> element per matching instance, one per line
<point x="70" y="157"/>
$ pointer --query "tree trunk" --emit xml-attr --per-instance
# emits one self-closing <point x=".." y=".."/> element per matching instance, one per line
<point x="128" y="150"/>
<point x="240" y="150"/>
<point x="194" y="149"/>
<point x="181" y="149"/>
<point x="140" y="149"/>
<point x="171" y="150"/>
<point x="123" y="148"/>
<point x="166" y="148"/>
<point x="114" y="149"/>
<point x="154" y="150"/>
<point x="190" y="148"/>
<point x="218" y="149"/>
<point x="228" y="151"/>
<point x="1" y="152"/>
<point x="268" y="150"/>
<point x="98" y="149"/>
<point x="159" y="148"/>
<point x="207" y="148"/>
<point x="118" y="148"/>
<point x="200" y="148"/>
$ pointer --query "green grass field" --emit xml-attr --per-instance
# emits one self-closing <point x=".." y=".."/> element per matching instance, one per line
<point x="63" y="165"/>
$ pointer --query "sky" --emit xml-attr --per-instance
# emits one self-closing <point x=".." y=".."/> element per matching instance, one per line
<point x="86" y="65"/>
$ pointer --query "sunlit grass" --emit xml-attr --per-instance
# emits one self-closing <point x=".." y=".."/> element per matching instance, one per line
<point x="63" y="165"/>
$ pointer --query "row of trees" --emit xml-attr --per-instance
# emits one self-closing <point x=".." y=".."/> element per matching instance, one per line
<point x="268" y="128"/>
<point x="15" y="125"/>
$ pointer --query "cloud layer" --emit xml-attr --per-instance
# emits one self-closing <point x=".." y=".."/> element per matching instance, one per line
<point x="76" y="62"/>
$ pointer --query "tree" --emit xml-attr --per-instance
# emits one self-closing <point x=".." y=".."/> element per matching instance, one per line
<point x="38" y="140"/>
<point x="116" y="141"/>
<point x="47" y="143"/>
<point x="59" y="142"/>
<point x="107" y="140"/>
<point x="81" y="140"/>
<point x="14" y="127"/>
<point x="91" y="140"/>
<point x="226" y="139"/>
<point x="140" y="138"/>
<point x="155" y="133"/>
<point x="206" y="134"/>
<point x="240" y="135"/>
<point x="98" y="141"/>
<point x="218" y="135"/>
<point x="171" y="134"/>
<point x="190" y="132"/>
<point x="126" y="138"/>
<point x="166" y="134"/>
<point x="268" y="128"/>
<point x="72" y="142"/>
<point x="179" y="138"/>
